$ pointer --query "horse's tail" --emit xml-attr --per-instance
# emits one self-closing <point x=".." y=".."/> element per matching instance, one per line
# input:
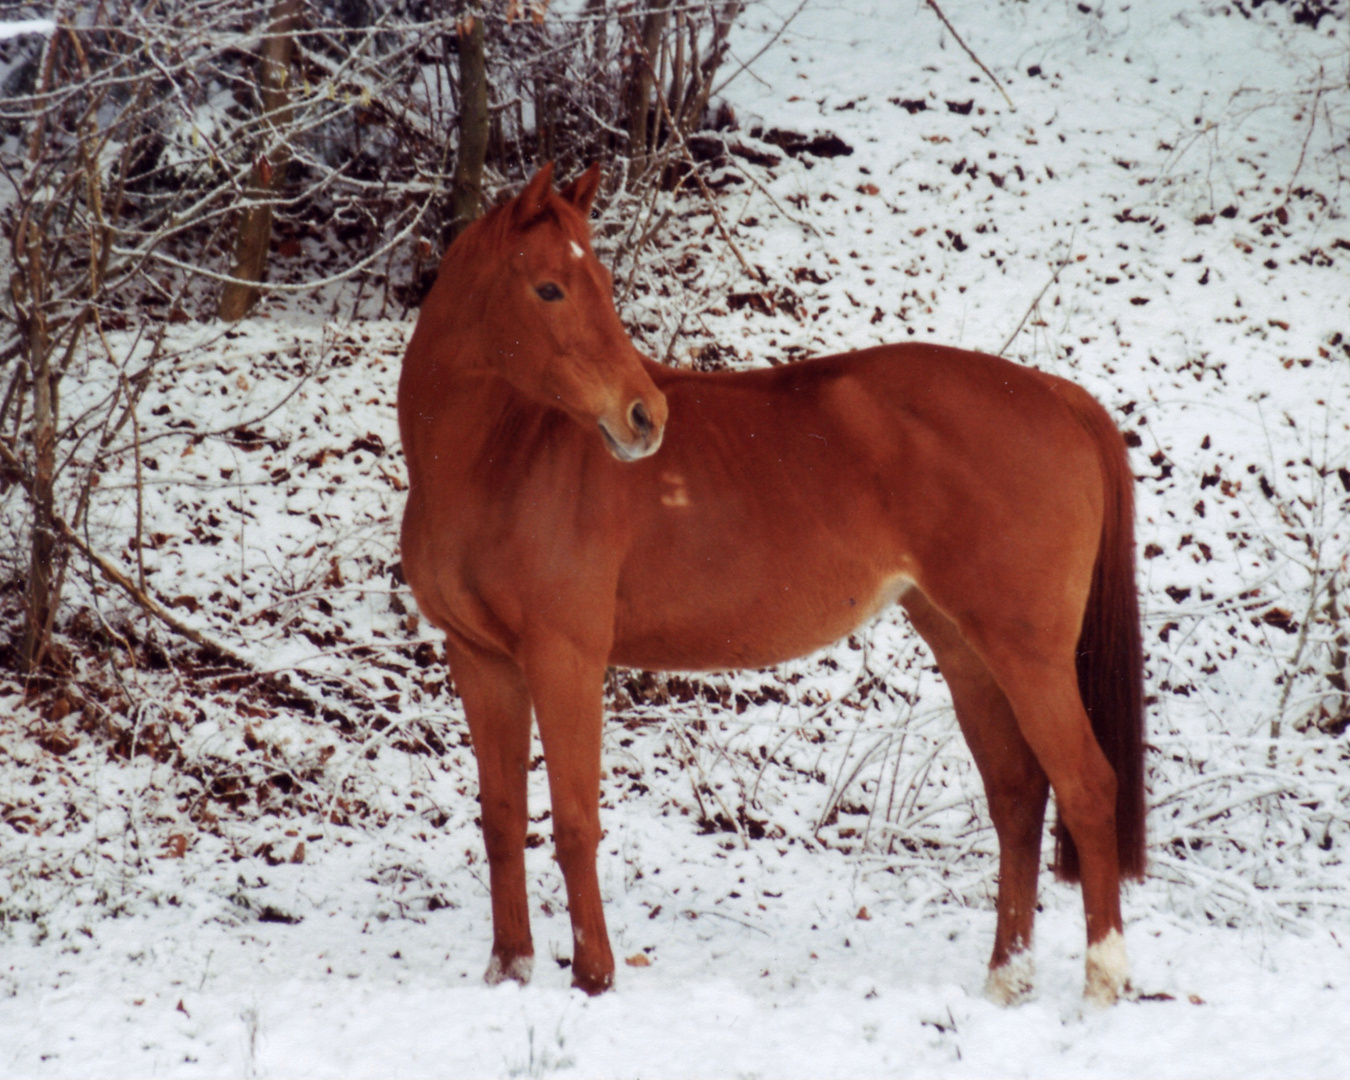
<point x="1110" y="650"/>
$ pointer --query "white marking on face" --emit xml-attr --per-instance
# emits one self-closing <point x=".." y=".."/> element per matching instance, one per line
<point x="676" y="494"/>
<point x="1108" y="969"/>
<point x="577" y="250"/>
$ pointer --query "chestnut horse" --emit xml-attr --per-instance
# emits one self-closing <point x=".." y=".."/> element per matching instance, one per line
<point x="573" y="504"/>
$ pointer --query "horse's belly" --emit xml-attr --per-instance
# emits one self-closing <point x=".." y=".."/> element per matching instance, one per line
<point x="717" y="630"/>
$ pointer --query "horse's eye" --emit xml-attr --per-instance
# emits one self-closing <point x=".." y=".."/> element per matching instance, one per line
<point x="549" y="291"/>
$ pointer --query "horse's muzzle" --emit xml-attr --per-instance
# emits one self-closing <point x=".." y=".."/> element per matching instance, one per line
<point x="638" y="436"/>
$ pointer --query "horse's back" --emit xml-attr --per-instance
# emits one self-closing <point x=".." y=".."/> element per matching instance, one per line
<point x="870" y="388"/>
<point x="895" y="425"/>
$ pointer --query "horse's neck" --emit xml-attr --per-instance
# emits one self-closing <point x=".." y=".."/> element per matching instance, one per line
<point x="464" y="417"/>
<point x="471" y="402"/>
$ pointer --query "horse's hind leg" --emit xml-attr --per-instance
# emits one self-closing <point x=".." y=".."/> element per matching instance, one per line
<point x="497" y="707"/>
<point x="1041" y="682"/>
<point x="1014" y="784"/>
<point x="1052" y="718"/>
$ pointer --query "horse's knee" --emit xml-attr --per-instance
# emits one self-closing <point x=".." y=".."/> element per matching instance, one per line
<point x="1089" y="801"/>
<point x="504" y="826"/>
<point x="1017" y="800"/>
<point x="575" y="839"/>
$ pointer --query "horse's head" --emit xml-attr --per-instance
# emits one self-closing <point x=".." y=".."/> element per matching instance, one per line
<point x="546" y="305"/>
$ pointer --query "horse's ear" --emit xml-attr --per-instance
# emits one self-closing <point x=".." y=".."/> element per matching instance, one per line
<point x="530" y="202"/>
<point x="581" y="192"/>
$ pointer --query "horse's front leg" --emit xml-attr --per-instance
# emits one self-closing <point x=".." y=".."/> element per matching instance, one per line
<point x="497" y="707"/>
<point x="567" y="688"/>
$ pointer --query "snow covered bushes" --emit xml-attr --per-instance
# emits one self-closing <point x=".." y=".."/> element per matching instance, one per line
<point x="150" y="156"/>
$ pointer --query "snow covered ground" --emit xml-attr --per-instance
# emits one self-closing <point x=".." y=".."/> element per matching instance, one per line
<point x="204" y="873"/>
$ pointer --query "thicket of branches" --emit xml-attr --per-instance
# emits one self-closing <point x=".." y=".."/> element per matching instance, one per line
<point x="154" y="156"/>
<point x="138" y="142"/>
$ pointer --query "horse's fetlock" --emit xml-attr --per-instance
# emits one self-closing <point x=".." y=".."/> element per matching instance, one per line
<point x="504" y="965"/>
<point x="1108" y="969"/>
<point x="594" y="982"/>
<point x="1011" y="982"/>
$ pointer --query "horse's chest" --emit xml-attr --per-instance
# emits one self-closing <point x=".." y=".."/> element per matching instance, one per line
<point x="505" y="568"/>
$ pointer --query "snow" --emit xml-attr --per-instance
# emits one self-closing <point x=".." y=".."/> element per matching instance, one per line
<point x="10" y="28"/>
<point x="211" y="875"/>
<point x="345" y="994"/>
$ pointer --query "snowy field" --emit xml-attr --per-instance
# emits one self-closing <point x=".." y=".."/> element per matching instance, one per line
<point x="204" y="872"/>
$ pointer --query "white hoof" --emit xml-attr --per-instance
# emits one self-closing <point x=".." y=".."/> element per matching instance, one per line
<point x="1011" y="983"/>
<point x="1108" y="970"/>
<point x="520" y="969"/>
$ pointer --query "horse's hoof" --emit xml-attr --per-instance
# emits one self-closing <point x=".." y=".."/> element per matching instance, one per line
<point x="594" y="984"/>
<point x="1108" y="971"/>
<point x="517" y="968"/>
<point x="1010" y="983"/>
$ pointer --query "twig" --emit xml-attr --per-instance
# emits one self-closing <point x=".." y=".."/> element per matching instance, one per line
<point x="1295" y="662"/>
<point x="117" y="637"/>
<point x="712" y="207"/>
<point x="679" y="329"/>
<point x="144" y="600"/>
<point x="1046" y="288"/>
<point x="279" y="287"/>
<point x="707" y="195"/>
<point x="688" y="912"/>
<point x="778" y="206"/>
<point x="1312" y="124"/>
<point x="140" y="492"/>
<point x="116" y="577"/>
<point x="635" y="250"/>
<point x="767" y="46"/>
<point x="947" y="23"/>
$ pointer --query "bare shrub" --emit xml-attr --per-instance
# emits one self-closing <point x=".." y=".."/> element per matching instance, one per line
<point x="135" y="139"/>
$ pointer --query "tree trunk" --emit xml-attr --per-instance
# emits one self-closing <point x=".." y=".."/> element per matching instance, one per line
<point x="697" y="100"/>
<point x="640" y="112"/>
<point x="30" y="303"/>
<point x="543" y="118"/>
<point x="599" y="38"/>
<point x="466" y="198"/>
<point x="269" y="171"/>
<point x="41" y="601"/>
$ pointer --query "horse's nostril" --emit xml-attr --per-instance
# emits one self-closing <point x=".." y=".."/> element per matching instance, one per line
<point x="640" y="418"/>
